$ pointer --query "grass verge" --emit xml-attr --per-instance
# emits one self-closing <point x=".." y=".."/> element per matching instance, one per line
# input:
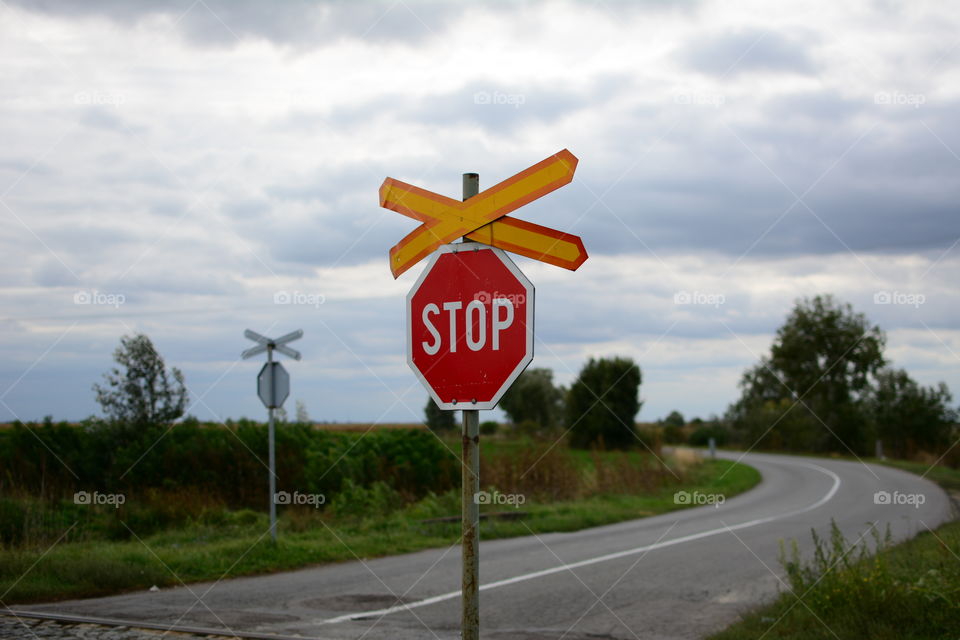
<point x="240" y="545"/>
<point x="946" y="477"/>
<point x="908" y="591"/>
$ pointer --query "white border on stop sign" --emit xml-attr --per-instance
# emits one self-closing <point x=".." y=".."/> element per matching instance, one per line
<point x="457" y="247"/>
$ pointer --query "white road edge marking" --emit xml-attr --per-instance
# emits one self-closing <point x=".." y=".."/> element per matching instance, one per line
<point x="610" y="556"/>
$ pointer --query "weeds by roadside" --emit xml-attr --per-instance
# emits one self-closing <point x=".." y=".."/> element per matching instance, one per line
<point x="362" y="521"/>
<point x="874" y="589"/>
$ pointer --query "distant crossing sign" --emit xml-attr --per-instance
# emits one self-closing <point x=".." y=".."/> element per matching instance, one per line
<point x="265" y="344"/>
<point x="273" y="387"/>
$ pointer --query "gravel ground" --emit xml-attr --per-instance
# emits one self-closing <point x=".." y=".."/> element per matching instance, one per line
<point x="12" y="628"/>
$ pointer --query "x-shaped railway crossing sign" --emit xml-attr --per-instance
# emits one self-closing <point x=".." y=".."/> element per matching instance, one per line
<point x="484" y="217"/>
<point x="265" y="343"/>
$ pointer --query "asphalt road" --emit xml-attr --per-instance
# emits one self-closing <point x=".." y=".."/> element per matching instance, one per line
<point x="678" y="575"/>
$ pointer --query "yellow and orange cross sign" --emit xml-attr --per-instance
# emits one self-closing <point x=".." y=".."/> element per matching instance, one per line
<point x="484" y="217"/>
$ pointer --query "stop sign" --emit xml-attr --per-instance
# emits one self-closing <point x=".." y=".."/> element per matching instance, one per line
<point x="470" y="325"/>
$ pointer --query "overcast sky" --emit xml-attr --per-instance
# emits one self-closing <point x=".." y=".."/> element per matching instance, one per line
<point x="172" y="167"/>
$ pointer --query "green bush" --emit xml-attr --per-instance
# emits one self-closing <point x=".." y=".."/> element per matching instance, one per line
<point x="375" y="500"/>
<point x="191" y="471"/>
<point x="12" y="519"/>
<point x="701" y="436"/>
<point x="868" y="595"/>
<point x="672" y="434"/>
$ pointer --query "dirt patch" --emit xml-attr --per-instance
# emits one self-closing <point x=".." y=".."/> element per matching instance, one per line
<point x="355" y="602"/>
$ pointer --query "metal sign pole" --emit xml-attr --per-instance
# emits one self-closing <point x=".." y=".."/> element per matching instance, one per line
<point x="273" y="387"/>
<point x="470" y="480"/>
<point x="272" y="454"/>
<point x="484" y="219"/>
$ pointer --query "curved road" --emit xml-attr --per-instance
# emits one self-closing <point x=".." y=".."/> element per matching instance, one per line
<point x="677" y="575"/>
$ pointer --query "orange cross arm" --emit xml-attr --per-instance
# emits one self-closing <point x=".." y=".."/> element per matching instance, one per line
<point x="533" y="241"/>
<point x="445" y="219"/>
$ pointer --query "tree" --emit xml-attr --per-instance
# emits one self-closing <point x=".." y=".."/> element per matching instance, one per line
<point x="821" y="364"/>
<point x="673" y="428"/>
<point x="140" y="391"/>
<point x="438" y="419"/>
<point x="908" y="417"/>
<point x="603" y="403"/>
<point x="302" y="416"/>
<point x="777" y="424"/>
<point x="675" y="419"/>
<point x="533" y="397"/>
<point x="706" y="430"/>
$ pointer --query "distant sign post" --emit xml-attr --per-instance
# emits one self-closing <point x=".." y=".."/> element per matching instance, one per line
<point x="273" y="387"/>
<point x="470" y="314"/>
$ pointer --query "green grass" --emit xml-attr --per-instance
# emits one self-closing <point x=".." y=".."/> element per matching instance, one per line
<point x="909" y="591"/>
<point x="241" y="546"/>
<point x="946" y="477"/>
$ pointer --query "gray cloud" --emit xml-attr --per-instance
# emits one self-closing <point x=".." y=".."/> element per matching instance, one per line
<point x="245" y="208"/>
<point x="498" y="108"/>
<point x="308" y="24"/>
<point x="747" y="50"/>
<point x="716" y="185"/>
<point x="17" y="167"/>
<point x="107" y="119"/>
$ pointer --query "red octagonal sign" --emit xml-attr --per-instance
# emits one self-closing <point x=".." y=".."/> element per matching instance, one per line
<point x="470" y="325"/>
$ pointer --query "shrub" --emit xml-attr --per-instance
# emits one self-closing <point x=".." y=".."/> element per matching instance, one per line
<point x="209" y="464"/>
<point x="701" y="436"/>
<point x="489" y="427"/>
<point x="672" y="434"/>
<point x="357" y="501"/>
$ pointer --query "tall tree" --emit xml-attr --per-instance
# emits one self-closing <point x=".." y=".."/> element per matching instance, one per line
<point x="303" y="416"/>
<point x="821" y="364"/>
<point x="603" y="403"/>
<point x="909" y="417"/>
<point x="437" y="419"/>
<point x="140" y="390"/>
<point x="674" y="419"/>
<point x="673" y="427"/>
<point x="533" y="397"/>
